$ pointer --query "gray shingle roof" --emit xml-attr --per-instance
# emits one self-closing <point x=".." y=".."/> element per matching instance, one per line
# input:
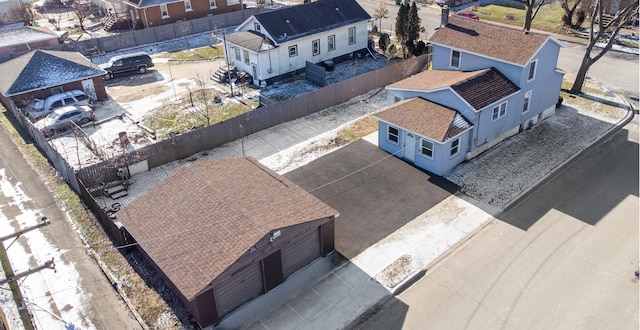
<point x="426" y="118"/>
<point x="500" y="42"/>
<point x="25" y="34"/>
<point x="311" y="18"/>
<point x="198" y="221"/>
<point x="43" y="69"/>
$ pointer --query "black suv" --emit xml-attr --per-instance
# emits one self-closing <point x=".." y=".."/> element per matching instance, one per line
<point x="137" y="62"/>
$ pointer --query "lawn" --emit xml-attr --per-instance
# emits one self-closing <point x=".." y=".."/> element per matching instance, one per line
<point x="549" y="18"/>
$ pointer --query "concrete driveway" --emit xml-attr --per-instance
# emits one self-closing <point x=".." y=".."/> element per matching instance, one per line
<point x="374" y="192"/>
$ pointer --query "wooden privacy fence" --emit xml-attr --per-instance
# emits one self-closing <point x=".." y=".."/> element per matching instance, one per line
<point x="210" y="137"/>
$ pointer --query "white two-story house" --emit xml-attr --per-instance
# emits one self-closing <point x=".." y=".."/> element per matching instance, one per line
<point x="280" y="42"/>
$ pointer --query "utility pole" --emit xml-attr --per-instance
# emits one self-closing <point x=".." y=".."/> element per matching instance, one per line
<point x="48" y="264"/>
<point x="226" y="58"/>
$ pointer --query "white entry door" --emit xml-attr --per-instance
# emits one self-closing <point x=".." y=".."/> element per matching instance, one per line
<point x="409" y="146"/>
<point x="89" y="89"/>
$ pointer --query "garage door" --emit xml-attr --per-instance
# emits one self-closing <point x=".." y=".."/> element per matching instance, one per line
<point x="301" y="252"/>
<point x="243" y="286"/>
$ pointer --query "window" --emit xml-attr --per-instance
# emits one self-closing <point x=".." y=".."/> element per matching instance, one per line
<point x="352" y="36"/>
<point x="527" y="100"/>
<point x="331" y="40"/>
<point x="499" y="111"/>
<point x="316" y="47"/>
<point x="256" y="26"/>
<point x="57" y="90"/>
<point x="392" y="134"/>
<point x="455" y="59"/>
<point x="187" y="5"/>
<point x="455" y="147"/>
<point x="532" y="70"/>
<point x="212" y="4"/>
<point x="426" y="148"/>
<point x="236" y="50"/>
<point x="245" y="53"/>
<point x="164" y="11"/>
<point x="293" y="51"/>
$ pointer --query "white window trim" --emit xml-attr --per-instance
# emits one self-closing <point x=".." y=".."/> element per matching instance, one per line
<point x="459" y="59"/>
<point x="295" y="49"/>
<point x="245" y="55"/>
<point x="331" y="42"/>
<point x="501" y="113"/>
<point x="213" y="4"/>
<point x="189" y="8"/>
<point x="352" y="35"/>
<point x="535" y="70"/>
<point x="527" y="102"/>
<point x="458" y="147"/>
<point x="397" y="135"/>
<point x="164" y="9"/>
<point x="315" y="43"/>
<point x="433" y="147"/>
<point x="236" y="52"/>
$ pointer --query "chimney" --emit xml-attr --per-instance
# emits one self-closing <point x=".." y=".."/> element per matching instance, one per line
<point x="444" y="18"/>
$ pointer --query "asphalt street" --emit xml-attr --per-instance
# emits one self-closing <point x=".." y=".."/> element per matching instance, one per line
<point x="573" y="266"/>
<point x="106" y="309"/>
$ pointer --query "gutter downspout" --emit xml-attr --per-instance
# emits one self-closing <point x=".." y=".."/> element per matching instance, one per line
<point x="146" y="20"/>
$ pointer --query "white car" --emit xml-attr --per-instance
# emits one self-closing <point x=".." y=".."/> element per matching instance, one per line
<point x="40" y="108"/>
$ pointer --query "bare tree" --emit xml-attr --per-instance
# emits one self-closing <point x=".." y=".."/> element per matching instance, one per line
<point x="569" y="11"/>
<point x="84" y="9"/>
<point x="529" y="12"/>
<point x="624" y="16"/>
<point x="379" y="13"/>
<point x="55" y="22"/>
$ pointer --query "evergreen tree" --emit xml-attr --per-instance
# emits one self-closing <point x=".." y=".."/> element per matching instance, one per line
<point x="401" y="26"/>
<point x="413" y="25"/>
<point x="384" y="42"/>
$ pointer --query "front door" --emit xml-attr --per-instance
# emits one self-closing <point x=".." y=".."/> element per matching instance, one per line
<point x="254" y="68"/>
<point x="272" y="271"/>
<point x="89" y="89"/>
<point x="409" y="146"/>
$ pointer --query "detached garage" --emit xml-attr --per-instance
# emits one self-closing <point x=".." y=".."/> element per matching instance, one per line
<point x="224" y="232"/>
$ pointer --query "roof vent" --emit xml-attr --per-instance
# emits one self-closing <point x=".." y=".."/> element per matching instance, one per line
<point x="287" y="21"/>
<point x="337" y="9"/>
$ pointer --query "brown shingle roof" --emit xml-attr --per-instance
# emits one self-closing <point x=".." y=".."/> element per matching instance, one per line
<point x="485" y="88"/>
<point x="434" y="79"/>
<point x="505" y="43"/>
<point x="202" y="218"/>
<point x="250" y="40"/>
<point x="425" y="118"/>
<point x="479" y="88"/>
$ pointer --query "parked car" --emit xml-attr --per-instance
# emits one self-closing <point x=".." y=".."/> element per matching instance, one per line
<point x="64" y="118"/>
<point x="40" y="108"/>
<point x="130" y="63"/>
<point x="467" y="14"/>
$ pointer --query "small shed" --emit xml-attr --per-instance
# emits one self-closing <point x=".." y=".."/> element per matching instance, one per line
<point x="25" y="38"/>
<point x="42" y="73"/>
<point x="223" y="232"/>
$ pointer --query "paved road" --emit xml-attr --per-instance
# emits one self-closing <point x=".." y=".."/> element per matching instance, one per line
<point x="572" y="268"/>
<point x="101" y="307"/>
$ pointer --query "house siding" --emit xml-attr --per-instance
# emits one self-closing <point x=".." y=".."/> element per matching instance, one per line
<point x="278" y="61"/>
<point x="152" y="16"/>
<point x="486" y="129"/>
<point x="243" y="280"/>
<point x="439" y="164"/>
